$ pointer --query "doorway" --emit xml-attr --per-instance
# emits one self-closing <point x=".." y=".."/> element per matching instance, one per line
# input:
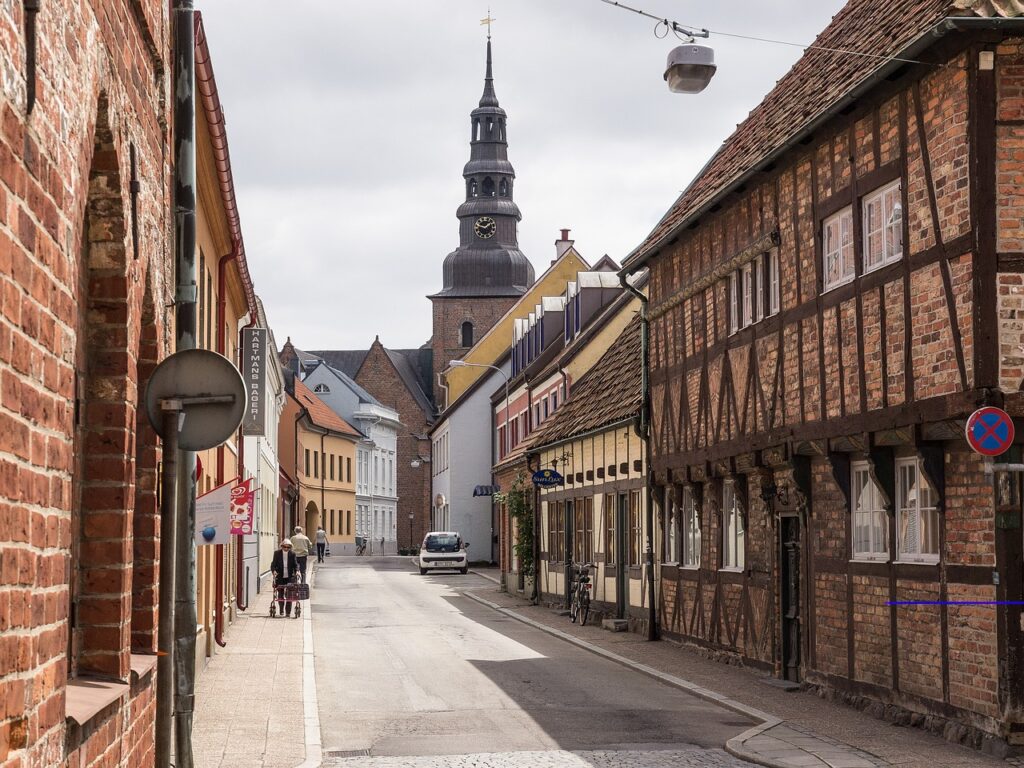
<point x="789" y="589"/>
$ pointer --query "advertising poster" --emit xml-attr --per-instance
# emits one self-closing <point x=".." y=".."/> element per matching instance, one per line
<point x="213" y="516"/>
<point x="242" y="508"/>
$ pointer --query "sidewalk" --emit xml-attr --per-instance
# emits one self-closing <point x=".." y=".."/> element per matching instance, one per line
<point x="252" y="700"/>
<point x="798" y="729"/>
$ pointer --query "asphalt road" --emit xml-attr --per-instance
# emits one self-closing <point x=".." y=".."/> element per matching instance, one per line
<point x="408" y="668"/>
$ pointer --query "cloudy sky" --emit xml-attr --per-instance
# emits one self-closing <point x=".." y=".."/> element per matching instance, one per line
<point x="349" y="125"/>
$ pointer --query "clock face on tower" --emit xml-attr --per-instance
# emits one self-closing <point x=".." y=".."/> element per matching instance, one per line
<point x="485" y="227"/>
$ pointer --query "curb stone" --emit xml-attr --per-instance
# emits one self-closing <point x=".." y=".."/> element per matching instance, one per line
<point x="735" y="746"/>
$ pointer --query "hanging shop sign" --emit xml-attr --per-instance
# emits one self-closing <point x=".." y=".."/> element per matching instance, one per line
<point x="547" y="478"/>
<point x="254" y="374"/>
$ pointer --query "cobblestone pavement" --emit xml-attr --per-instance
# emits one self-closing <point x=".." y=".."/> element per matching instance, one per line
<point x="675" y="758"/>
<point x="874" y="741"/>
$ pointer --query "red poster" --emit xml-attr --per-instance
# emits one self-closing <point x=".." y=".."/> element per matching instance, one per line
<point x="242" y="508"/>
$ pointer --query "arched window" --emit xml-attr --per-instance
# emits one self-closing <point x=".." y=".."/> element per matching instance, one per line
<point x="476" y="130"/>
<point x="503" y="188"/>
<point x="501" y="130"/>
<point x="322" y="388"/>
<point x="488" y="187"/>
<point x="472" y="188"/>
<point x="490" y="128"/>
<point x="467" y="334"/>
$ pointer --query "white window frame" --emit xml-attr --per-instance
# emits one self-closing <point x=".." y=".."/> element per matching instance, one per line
<point x="889" y="228"/>
<point x="671" y="527"/>
<point x="747" y="290"/>
<point x="773" y="282"/>
<point x="833" y="227"/>
<point x="759" y="313"/>
<point x="733" y="530"/>
<point x="734" y="306"/>
<point x="905" y="467"/>
<point x="873" y="500"/>
<point x="691" y="529"/>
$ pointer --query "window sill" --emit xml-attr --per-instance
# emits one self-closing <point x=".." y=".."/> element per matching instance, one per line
<point x="869" y="559"/>
<point x="694" y="567"/>
<point x="142" y="664"/>
<point x="919" y="561"/>
<point x="732" y="569"/>
<point x="883" y="264"/>
<point x="86" y="698"/>
<point x="840" y="284"/>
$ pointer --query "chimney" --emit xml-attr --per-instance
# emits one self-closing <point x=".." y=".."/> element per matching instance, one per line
<point x="562" y="245"/>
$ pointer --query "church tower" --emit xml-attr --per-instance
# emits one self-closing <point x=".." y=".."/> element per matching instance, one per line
<point x="487" y="273"/>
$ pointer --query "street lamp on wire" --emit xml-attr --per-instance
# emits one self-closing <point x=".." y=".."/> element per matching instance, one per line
<point x="464" y="364"/>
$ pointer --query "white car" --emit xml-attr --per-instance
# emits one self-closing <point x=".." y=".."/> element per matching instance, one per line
<point x="443" y="550"/>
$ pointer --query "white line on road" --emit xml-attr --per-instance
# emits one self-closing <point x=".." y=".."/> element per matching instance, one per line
<point x="310" y="706"/>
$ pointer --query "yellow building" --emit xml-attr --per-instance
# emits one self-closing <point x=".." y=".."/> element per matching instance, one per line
<point x="226" y="302"/>
<point x="599" y="515"/>
<point x="325" y="466"/>
<point x="493" y="346"/>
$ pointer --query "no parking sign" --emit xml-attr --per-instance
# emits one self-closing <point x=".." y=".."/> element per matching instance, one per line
<point x="990" y="431"/>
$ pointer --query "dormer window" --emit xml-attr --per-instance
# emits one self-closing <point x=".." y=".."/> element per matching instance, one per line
<point x="321" y="389"/>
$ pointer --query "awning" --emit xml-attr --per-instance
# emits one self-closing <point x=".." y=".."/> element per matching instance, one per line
<point x="486" y="490"/>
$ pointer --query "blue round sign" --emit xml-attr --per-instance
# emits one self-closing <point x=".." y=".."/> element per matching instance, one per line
<point x="547" y="478"/>
<point x="990" y="431"/>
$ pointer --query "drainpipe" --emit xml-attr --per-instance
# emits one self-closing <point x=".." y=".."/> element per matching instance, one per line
<point x="535" y="592"/>
<point x="240" y="541"/>
<point x="184" y="137"/>
<point x="218" y="609"/>
<point x="643" y="431"/>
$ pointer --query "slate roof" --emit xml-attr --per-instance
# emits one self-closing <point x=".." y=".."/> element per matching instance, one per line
<point x="608" y="393"/>
<point x="348" y="381"/>
<point x="320" y="414"/>
<point x="414" y="366"/>
<point x="813" y="86"/>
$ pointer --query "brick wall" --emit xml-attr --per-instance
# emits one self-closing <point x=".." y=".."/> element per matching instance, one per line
<point x="450" y="314"/>
<point x="378" y="376"/>
<point x="77" y="476"/>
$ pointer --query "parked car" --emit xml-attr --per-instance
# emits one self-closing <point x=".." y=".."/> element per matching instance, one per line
<point x="443" y="550"/>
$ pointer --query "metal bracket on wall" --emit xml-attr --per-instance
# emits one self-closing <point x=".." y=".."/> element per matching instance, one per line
<point x="31" y="11"/>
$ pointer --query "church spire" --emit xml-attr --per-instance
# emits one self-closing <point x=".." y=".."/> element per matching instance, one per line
<point x="489" y="99"/>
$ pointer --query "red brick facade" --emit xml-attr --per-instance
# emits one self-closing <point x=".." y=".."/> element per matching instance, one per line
<point x="378" y="376"/>
<point x="84" y="280"/>
<point x="450" y="314"/>
<point x="883" y="369"/>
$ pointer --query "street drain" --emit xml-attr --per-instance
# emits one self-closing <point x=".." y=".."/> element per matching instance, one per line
<point x="347" y="753"/>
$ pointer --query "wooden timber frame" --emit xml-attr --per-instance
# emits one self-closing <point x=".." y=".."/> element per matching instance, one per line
<point x="886" y="366"/>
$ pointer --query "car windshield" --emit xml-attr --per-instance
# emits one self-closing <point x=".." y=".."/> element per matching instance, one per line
<point x="442" y="543"/>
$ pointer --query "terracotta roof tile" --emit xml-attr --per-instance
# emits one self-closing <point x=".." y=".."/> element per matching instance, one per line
<point x="608" y="393"/>
<point x="320" y="414"/>
<point x="814" y="84"/>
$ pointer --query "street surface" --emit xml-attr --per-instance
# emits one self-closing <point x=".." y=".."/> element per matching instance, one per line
<point x="412" y="674"/>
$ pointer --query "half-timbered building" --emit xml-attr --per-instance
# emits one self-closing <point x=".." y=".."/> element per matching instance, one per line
<point x="830" y="299"/>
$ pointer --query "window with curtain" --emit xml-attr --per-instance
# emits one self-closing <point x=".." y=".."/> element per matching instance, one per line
<point x="917" y="514"/>
<point x="733" y="550"/>
<point x="691" y="529"/>
<point x="870" y="524"/>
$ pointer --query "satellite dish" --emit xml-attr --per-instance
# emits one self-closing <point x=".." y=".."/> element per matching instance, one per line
<point x="211" y="392"/>
<point x="690" y="68"/>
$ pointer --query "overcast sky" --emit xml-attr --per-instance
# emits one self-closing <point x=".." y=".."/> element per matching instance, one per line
<point x="348" y="124"/>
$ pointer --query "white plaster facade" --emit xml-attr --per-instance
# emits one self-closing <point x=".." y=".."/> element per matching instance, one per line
<point x="260" y="462"/>
<point x="463" y="453"/>
<point x="376" y="514"/>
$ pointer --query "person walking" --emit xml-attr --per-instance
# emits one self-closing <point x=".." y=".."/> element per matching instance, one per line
<point x="382" y="545"/>
<point x="302" y="546"/>
<point x="284" y="567"/>
<point x="321" y="543"/>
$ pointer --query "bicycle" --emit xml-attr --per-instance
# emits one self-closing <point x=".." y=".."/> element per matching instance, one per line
<point x="579" y="608"/>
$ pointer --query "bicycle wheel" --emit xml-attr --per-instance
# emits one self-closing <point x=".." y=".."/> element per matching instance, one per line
<point x="574" y="607"/>
<point x="584" y="608"/>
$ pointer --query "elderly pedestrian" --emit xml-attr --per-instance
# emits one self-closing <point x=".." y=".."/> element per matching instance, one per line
<point x="321" y="543"/>
<point x="284" y="567"/>
<point x="302" y="546"/>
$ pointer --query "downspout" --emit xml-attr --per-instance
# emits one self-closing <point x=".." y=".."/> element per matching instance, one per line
<point x="286" y="530"/>
<point x="643" y="431"/>
<point x="323" y="478"/>
<point x="240" y="546"/>
<point x="218" y="606"/>
<point x="535" y="592"/>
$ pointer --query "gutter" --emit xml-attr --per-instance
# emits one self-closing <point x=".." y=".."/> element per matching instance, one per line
<point x="929" y="37"/>
<point x="643" y="431"/>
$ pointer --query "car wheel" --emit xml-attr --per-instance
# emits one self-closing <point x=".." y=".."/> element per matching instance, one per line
<point x="464" y="571"/>
<point x="423" y="571"/>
